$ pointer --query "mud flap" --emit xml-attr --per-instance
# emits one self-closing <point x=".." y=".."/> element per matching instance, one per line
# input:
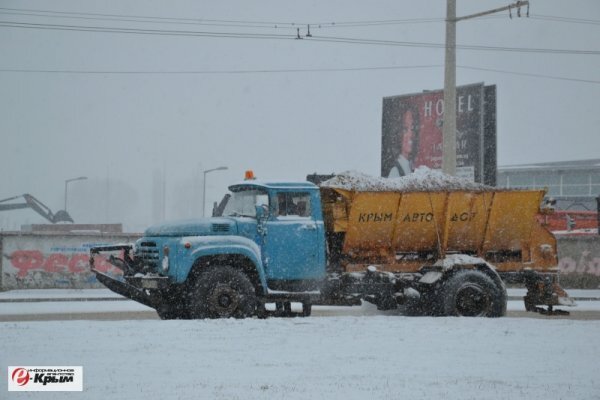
<point x="127" y="290"/>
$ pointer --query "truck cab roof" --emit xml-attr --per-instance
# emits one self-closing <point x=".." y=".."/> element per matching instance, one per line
<point x="285" y="185"/>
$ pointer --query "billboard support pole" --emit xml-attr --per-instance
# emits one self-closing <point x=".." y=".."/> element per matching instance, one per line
<point x="449" y="127"/>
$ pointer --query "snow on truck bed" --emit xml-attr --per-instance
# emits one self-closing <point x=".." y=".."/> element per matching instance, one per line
<point x="422" y="179"/>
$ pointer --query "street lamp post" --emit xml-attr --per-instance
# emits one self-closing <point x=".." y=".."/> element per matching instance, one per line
<point x="204" y="185"/>
<point x="81" y="178"/>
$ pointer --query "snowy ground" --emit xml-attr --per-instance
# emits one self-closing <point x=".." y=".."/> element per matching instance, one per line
<point x="366" y="357"/>
<point x="362" y="356"/>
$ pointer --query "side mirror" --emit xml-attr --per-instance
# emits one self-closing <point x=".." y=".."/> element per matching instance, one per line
<point x="262" y="212"/>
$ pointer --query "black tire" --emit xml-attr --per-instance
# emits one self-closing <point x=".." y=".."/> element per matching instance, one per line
<point x="173" y="311"/>
<point x="173" y="305"/>
<point x="170" y="314"/>
<point x="166" y="315"/>
<point x="472" y="293"/>
<point x="223" y="292"/>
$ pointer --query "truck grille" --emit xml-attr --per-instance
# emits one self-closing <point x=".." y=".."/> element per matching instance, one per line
<point x="220" y="227"/>
<point x="148" y="254"/>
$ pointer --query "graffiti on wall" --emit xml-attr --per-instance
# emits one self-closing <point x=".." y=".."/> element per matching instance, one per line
<point x="41" y="264"/>
<point x="585" y="264"/>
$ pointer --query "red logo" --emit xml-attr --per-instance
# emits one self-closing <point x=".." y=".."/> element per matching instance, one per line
<point x="20" y="376"/>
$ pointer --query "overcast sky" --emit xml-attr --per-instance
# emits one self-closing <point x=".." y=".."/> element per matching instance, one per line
<point x="280" y="106"/>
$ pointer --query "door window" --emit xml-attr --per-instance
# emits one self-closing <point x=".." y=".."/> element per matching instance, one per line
<point x="293" y="204"/>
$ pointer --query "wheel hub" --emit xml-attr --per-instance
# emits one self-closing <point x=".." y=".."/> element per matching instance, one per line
<point x="224" y="300"/>
<point x="472" y="300"/>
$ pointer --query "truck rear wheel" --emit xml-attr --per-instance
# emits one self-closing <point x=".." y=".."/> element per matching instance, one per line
<point x="471" y="293"/>
<point x="223" y="292"/>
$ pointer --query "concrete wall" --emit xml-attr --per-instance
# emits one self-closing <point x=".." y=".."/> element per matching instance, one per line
<point x="31" y="260"/>
<point x="47" y="260"/>
<point x="579" y="260"/>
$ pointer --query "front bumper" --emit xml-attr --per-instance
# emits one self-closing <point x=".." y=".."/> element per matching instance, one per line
<point x="146" y="289"/>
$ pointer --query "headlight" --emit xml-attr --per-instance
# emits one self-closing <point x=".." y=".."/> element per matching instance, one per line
<point x="165" y="260"/>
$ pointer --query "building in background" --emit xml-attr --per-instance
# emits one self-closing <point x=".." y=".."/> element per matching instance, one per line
<point x="574" y="185"/>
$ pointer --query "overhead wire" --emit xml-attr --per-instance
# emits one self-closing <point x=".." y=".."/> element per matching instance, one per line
<point x="284" y="70"/>
<point x="217" y="72"/>
<point x="271" y="24"/>
<point x="177" y="21"/>
<point x="208" y="21"/>
<point x="259" y="24"/>
<point x="559" y="78"/>
<point x="458" y="47"/>
<point x="162" y="32"/>
<point x="140" y="17"/>
<point x="565" y="19"/>
<point x="320" y="38"/>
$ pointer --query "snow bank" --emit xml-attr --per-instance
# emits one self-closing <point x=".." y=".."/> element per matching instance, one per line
<point x="423" y="179"/>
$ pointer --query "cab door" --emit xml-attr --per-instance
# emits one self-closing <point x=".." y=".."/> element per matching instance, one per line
<point x="293" y="247"/>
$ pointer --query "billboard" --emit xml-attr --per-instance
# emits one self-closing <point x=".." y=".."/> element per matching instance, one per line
<point x="412" y="132"/>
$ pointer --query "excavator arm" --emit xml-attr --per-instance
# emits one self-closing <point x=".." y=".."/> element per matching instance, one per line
<point x="37" y="206"/>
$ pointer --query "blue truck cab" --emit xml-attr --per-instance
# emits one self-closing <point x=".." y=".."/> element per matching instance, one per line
<point x="268" y="244"/>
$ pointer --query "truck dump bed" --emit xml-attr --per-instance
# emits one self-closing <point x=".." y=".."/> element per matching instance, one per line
<point x="399" y="223"/>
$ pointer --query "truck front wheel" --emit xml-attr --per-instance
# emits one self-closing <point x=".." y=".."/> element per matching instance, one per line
<point x="223" y="292"/>
<point x="173" y="311"/>
<point x="472" y="293"/>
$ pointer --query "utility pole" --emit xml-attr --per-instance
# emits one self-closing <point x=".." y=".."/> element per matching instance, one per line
<point x="449" y="127"/>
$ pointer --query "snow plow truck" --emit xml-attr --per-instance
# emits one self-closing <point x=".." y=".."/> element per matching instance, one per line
<point x="433" y="244"/>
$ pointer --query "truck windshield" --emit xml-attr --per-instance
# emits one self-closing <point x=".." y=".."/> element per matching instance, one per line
<point x="244" y="202"/>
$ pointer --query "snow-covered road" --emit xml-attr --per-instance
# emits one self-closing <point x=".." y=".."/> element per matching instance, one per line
<point x="349" y="353"/>
<point x="366" y="357"/>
